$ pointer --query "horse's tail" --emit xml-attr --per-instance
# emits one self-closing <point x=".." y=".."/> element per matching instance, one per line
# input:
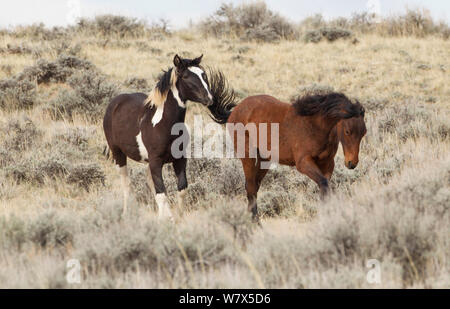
<point x="107" y="152"/>
<point x="224" y="97"/>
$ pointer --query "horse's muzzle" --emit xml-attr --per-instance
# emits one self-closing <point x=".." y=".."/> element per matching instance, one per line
<point x="210" y="102"/>
<point x="351" y="165"/>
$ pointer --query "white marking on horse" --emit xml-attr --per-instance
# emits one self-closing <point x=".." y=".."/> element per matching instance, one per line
<point x="158" y="114"/>
<point x="176" y="95"/>
<point x="142" y="150"/>
<point x="125" y="187"/>
<point x="163" y="207"/>
<point x="181" y="197"/>
<point x="199" y="72"/>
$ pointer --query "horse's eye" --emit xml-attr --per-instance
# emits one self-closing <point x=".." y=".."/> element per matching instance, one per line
<point x="348" y="132"/>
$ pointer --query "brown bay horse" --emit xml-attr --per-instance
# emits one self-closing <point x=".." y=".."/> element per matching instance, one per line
<point x="309" y="129"/>
<point x="139" y="126"/>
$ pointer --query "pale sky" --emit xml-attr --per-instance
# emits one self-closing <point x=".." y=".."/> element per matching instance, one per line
<point x="180" y="12"/>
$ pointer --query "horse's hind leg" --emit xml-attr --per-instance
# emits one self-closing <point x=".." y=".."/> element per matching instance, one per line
<point x="251" y="170"/>
<point x="121" y="160"/>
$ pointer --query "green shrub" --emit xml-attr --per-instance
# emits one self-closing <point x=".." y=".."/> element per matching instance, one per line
<point x="417" y="23"/>
<point x="21" y="50"/>
<point x="150" y="246"/>
<point x="234" y="215"/>
<point x="252" y="21"/>
<point x="17" y="94"/>
<point x="54" y="71"/>
<point x="75" y="136"/>
<point x="139" y="186"/>
<point x="331" y="34"/>
<point x="60" y="161"/>
<point x="313" y="36"/>
<point x="120" y="26"/>
<point x="65" y="48"/>
<point x="136" y="83"/>
<point x="85" y="175"/>
<point x="20" y="135"/>
<point x="38" y="32"/>
<point x="90" y="93"/>
<point x="274" y="203"/>
<point x="49" y="231"/>
<point x="46" y="230"/>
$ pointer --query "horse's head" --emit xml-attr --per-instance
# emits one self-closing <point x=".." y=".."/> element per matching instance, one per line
<point x="350" y="132"/>
<point x="192" y="82"/>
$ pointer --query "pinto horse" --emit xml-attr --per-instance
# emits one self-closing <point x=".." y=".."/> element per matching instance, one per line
<point x="309" y="132"/>
<point x="138" y="126"/>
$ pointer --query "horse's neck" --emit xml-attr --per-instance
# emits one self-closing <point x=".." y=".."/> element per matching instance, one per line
<point x="325" y="125"/>
<point x="333" y="137"/>
<point x="176" y="110"/>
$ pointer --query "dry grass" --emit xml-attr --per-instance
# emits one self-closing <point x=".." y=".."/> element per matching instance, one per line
<point x="60" y="199"/>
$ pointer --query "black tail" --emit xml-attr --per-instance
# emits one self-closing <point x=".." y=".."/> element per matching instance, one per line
<point x="223" y="97"/>
<point x="106" y="152"/>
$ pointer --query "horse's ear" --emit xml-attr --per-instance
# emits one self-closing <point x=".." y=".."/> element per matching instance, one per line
<point x="196" y="62"/>
<point x="177" y="61"/>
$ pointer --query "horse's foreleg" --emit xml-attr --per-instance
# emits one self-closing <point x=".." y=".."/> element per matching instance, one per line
<point x="309" y="167"/>
<point x="180" y="171"/>
<point x="160" y="190"/>
<point x="328" y="169"/>
<point x="150" y="183"/>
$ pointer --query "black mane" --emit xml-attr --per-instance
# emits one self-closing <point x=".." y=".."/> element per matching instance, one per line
<point x="224" y="97"/>
<point x="164" y="83"/>
<point x="332" y="105"/>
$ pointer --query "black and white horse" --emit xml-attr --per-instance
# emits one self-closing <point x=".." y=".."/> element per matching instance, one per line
<point x="139" y="127"/>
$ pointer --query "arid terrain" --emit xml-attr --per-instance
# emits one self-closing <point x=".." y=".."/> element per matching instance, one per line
<point x="60" y="198"/>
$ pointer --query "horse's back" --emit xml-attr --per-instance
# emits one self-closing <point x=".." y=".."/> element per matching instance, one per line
<point x="121" y="118"/>
<point x="259" y="109"/>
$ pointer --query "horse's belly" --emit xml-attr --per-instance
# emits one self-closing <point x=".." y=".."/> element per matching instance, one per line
<point x="134" y="153"/>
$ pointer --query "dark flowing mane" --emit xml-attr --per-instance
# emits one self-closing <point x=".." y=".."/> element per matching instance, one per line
<point x="164" y="81"/>
<point x="331" y="105"/>
<point x="223" y="97"/>
<point x="158" y="95"/>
